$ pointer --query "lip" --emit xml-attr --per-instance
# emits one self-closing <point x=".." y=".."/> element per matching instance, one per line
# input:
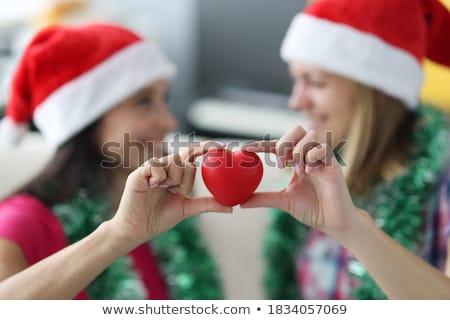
<point x="153" y="139"/>
<point x="313" y="123"/>
<point x="316" y="122"/>
<point x="313" y="126"/>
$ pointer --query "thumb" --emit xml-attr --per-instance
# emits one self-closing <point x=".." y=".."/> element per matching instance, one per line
<point x="197" y="206"/>
<point x="266" y="200"/>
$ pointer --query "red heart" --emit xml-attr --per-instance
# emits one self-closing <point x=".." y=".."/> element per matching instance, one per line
<point x="232" y="177"/>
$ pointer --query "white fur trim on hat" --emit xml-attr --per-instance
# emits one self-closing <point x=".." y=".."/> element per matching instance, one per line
<point x="11" y="133"/>
<point x="354" y="54"/>
<point x="86" y="98"/>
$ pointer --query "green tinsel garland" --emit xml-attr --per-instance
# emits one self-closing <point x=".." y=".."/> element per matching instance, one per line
<point x="182" y="254"/>
<point x="399" y="207"/>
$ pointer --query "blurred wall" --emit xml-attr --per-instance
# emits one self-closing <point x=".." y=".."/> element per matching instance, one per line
<point x="240" y="43"/>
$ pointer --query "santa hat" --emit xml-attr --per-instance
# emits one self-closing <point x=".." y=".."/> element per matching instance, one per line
<point x="380" y="43"/>
<point x="69" y="77"/>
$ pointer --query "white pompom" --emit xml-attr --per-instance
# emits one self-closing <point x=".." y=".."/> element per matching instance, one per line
<point x="11" y="133"/>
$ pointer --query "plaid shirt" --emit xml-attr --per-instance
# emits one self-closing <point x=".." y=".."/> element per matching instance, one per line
<point x="322" y="264"/>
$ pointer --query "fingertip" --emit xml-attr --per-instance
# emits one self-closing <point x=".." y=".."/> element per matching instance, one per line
<point x="220" y="144"/>
<point x="221" y="208"/>
<point x="281" y="162"/>
<point x="153" y="182"/>
<point x="247" y="204"/>
<point x="172" y="190"/>
<point x="298" y="169"/>
<point x="308" y="169"/>
<point x="250" y="149"/>
<point x="212" y="145"/>
<point x="227" y="210"/>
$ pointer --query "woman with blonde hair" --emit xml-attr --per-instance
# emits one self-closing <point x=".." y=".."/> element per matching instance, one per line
<point x="356" y="67"/>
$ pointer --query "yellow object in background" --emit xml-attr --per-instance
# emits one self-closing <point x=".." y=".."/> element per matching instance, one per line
<point x="57" y="12"/>
<point x="436" y="89"/>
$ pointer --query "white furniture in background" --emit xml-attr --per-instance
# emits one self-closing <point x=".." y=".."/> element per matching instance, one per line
<point x="241" y="119"/>
<point x="19" y="164"/>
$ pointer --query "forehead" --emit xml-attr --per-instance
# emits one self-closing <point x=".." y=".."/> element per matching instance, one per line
<point x="301" y="69"/>
<point x="162" y="85"/>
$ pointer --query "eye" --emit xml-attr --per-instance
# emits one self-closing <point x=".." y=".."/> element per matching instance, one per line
<point x="319" y="84"/>
<point x="144" y="101"/>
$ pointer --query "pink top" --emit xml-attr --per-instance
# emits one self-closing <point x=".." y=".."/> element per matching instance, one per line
<point x="27" y="222"/>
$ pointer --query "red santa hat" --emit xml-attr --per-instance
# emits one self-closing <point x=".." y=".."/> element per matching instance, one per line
<point x="380" y="43"/>
<point x="69" y="77"/>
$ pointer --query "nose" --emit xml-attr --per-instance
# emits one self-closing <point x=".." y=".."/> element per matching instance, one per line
<point x="167" y="120"/>
<point x="299" y="99"/>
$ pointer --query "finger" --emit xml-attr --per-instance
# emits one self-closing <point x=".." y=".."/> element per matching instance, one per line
<point x="266" y="200"/>
<point x="158" y="172"/>
<point x="197" y="206"/>
<point x="144" y="170"/>
<point x="287" y="143"/>
<point x="200" y="148"/>
<point x="267" y="146"/>
<point x="309" y="141"/>
<point x="320" y="156"/>
<point x="174" y="172"/>
<point x="187" y="180"/>
<point x="140" y="177"/>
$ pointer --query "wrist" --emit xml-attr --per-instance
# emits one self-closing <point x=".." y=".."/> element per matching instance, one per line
<point x="360" y="224"/>
<point x="117" y="238"/>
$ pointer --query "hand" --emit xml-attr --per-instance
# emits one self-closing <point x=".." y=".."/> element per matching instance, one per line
<point x="317" y="194"/>
<point x="155" y="196"/>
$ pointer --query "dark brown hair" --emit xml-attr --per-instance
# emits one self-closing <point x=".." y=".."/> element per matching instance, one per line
<point x="74" y="166"/>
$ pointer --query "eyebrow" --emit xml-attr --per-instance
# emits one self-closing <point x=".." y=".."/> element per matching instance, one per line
<point x="143" y="91"/>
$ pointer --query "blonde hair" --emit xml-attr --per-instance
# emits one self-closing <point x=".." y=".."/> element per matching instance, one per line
<point x="379" y="139"/>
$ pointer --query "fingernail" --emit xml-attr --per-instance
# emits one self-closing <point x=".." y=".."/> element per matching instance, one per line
<point x="298" y="169"/>
<point x="171" y="190"/>
<point x="229" y="211"/>
<point x="164" y="186"/>
<point x="280" y="161"/>
<point x="308" y="169"/>
<point x="220" y="143"/>
<point x="248" y="145"/>
<point x="153" y="181"/>
<point x="153" y="186"/>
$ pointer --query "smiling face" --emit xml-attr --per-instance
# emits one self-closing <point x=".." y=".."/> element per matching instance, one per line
<point x="134" y="129"/>
<point x="327" y="99"/>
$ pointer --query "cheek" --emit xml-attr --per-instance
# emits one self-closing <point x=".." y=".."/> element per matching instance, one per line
<point x="108" y="133"/>
<point x="130" y="129"/>
<point x="326" y="102"/>
<point x="155" y="149"/>
<point x="341" y="120"/>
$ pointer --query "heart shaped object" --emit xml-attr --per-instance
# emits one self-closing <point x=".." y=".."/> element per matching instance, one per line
<point x="232" y="177"/>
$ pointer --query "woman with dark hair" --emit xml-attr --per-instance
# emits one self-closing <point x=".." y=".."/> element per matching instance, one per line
<point x="97" y="93"/>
